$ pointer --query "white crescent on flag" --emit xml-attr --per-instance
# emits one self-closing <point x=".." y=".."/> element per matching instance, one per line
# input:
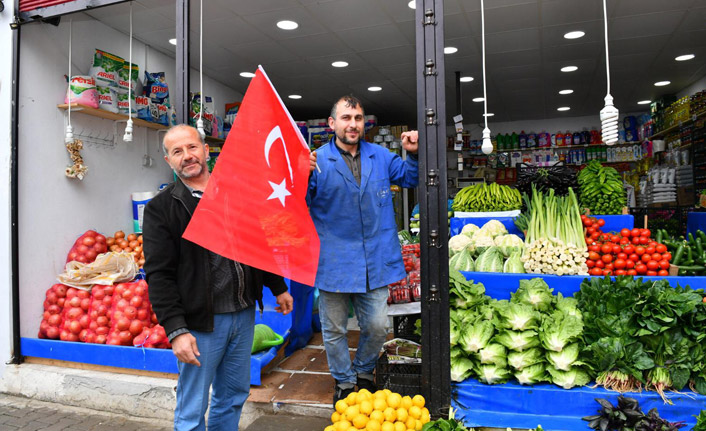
<point x="279" y="191"/>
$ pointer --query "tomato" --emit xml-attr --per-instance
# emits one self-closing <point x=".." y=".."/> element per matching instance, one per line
<point x="586" y="222"/>
<point x="620" y="263"/>
<point x="664" y="264"/>
<point x="639" y="250"/>
<point x="588" y="240"/>
<point x="667" y="256"/>
<point x="615" y="239"/>
<point x="653" y="265"/>
<point x="595" y="248"/>
<point x="641" y="268"/>
<point x="663" y="272"/>
<point x="606" y="249"/>
<point x="661" y="248"/>
<point x="609" y="266"/>
<point x="652" y="243"/>
<point x="620" y="272"/>
<point x="635" y="232"/>
<point x="643" y="240"/>
<point x="624" y="241"/>
<point x="657" y="257"/>
<point x="645" y="232"/>
<point x="634" y="257"/>
<point x="650" y="250"/>
<point x="595" y="236"/>
<point x="616" y="249"/>
<point x="136" y="327"/>
<point x="632" y="272"/>
<point x="590" y="230"/>
<point x="623" y="256"/>
<point x="625" y="232"/>
<point x="600" y="264"/>
<point x="646" y="258"/>
<point x="600" y="222"/>
<point x="607" y="258"/>
<point x="590" y="263"/>
<point x="593" y="256"/>
<point x="651" y="273"/>
<point x="607" y="272"/>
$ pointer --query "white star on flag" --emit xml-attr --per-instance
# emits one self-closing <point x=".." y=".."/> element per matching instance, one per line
<point x="279" y="191"/>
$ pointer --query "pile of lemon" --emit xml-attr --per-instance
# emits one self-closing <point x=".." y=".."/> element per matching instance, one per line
<point x="382" y="411"/>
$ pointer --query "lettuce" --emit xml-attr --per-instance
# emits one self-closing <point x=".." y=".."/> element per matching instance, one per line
<point x="519" y="317"/>
<point x="569" y="305"/>
<point x="563" y="360"/>
<point x="521" y="360"/>
<point x="464" y="293"/>
<point x="533" y="374"/>
<point x="559" y="329"/>
<point x="534" y="292"/>
<point x="462" y="261"/>
<point x="568" y="379"/>
<point x="514" y="264"/>
<point x="493" y="353"/>
<point x="518" y="341"/>
<point x="492" y="374"/>
<point x="491" y="260"/>
<point x="477" y="336"/>
<point x="461" y="369"/>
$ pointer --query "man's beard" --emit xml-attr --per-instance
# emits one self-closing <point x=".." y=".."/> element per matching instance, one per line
<point x="182" y="174"/>
<point x="343" y="138"/>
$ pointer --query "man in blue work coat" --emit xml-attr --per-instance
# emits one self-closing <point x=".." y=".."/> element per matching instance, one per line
<point x="350" y="202"/>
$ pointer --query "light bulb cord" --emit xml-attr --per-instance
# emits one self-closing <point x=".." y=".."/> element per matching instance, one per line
<point x="200" y="122"/>
<point x="607" y="57"/>
<point x="485" y="95"/>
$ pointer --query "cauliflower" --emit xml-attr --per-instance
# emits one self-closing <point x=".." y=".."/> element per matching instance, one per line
<point x="480" y="243"/>
<point x="494" y="228"/>
<point x="470" y="230"/>
<point x="458" y="243"/>
<point x="509" y="244"/>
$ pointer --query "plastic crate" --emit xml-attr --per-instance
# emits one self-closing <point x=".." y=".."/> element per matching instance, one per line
<point x="404" y="327"/>
<point x="405" y="379"/>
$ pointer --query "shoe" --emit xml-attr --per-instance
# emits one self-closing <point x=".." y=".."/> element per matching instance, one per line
<point x="340" y="393"/>
<point x="368" y="384"/>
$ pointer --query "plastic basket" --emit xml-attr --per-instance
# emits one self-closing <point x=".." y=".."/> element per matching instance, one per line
<point x="404" y="327"/>
<point x="405" y="379"/>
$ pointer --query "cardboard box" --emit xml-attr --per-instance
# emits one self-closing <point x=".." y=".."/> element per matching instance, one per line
<point x="685" y="196"/>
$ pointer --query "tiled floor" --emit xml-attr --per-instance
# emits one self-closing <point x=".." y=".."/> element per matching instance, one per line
<point x="302" y="378"/>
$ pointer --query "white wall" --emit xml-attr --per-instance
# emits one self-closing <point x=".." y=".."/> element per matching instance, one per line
<point x="55" y="210"/>
<point x="5" y="147"/>
<point x="693" y="88"/>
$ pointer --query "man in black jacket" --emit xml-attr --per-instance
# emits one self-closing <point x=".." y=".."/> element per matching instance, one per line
<point x="205" y="301"/>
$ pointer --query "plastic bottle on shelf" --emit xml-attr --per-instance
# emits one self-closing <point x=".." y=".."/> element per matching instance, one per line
<point x="559" y="139"/>
<point x="576" y="138"/>
<point x="514" y="141"/>
<point x="552" y="139"/>
<point x="531" y="140"/>
<point x="543" y="140"/>
<point x="522" y="140"/>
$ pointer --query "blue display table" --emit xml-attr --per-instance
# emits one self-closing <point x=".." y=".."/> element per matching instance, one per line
<point x="556" y="409"/>
<point x="613" y="223"/>
<point x="695" y="221"/>
<point x="457" y="224"/>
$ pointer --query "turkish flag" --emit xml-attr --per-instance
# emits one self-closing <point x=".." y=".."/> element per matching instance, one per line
<point x="254" y="209"/>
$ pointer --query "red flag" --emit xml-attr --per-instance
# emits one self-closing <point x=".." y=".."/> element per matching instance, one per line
<point x="254" y="209"/>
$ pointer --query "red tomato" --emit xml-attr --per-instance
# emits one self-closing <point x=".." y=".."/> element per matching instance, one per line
<point x="635" y="232"/>
<point x="607" y="258"/>
<point x="641" y="268"/>
<point x="586" y="221"/>
<point x="590" y="263"/>
<point x="625" y="232"/>
<point x="595" y="248"/>
<point x="657" y="257"/>
<point x="664" y="264"/>
<point x="663" y="272"/>
<point x="639" y="250"/>
<point x="596" y="271"/>
<point x="643" y="240"/>
<point x="667" y="256"/>
<point x="634" y="257"/>
<point x="616" y="249"/>
<point x="615" y="239"/>
<point x="607" y="272"/>
<point x="652" y="243"/>
<point x="620" y="263"/>
<point x="661" y="248"/>
<point x="606" y="248"/>
<point x="630" y="264"/>
<point x="588" y="240"/>
<point x="645" y="232"/>
<point x="595" y="236"/>
<point x="600" y="264"/>
<point x="623" y="256"/>
<point x="646" y="258"/>
<point x="590" y="230"/>
<point x="600" y="222"/>
<point x="620" y="272"/>
<point x="653" y="265"/>
<point x="650" y="250"/>
<point x="624" y="241"/>
<point x="651" y="273"/>
<point x="632" y="272"/>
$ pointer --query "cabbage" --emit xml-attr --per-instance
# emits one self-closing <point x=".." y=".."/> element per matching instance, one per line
<point x="492" y="374"/>
<point x="493" y="228"/>
<point x="480" y="243"/>
<point x="521" y="360"/>
<point x="518" y="341"/>
<point x="509" y="244"/>
<point x="461" y="369"/>
<point x="534" y="292"/>
<point x="462" y="261"/>
<point x="491" y="260"/>
<point x="469" y="230"/>
<point x="566" y="358"/>
<point x="493" y="353"/>
<point x="533" y="374"/>
<point x="457" y="243"/>
<point x="568" y="379"/>
<point x="519" y="317"/>
<point x="514" y="264"/>
<point x="560" y="329"/>
<point x="476" y="336"/>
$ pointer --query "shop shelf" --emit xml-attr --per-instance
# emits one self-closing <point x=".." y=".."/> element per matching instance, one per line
<point x="565" y="147"/>
<point x="100" y="113"/>
<point x="677" y="126"/>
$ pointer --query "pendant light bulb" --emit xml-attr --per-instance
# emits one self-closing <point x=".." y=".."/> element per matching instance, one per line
<point x="127" y="137"/>
<point x="199" y="127"/>
<point x="487" y="146"/>
<point x="609" y="121"/>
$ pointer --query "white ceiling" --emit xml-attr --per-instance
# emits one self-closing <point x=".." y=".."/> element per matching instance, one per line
<point x="524" y="39"/>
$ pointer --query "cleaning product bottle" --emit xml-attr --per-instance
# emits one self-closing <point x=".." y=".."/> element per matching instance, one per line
<point x="523" y="140"/>
<point x="531" y="140"/>
<point x="515" y="141"/>
<point x="577" y="138"/>
<point x="559" y="139"/>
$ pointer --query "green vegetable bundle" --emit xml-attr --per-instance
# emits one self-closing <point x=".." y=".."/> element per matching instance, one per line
<point x="487" y="197"/>
<point x="601" y="189"/>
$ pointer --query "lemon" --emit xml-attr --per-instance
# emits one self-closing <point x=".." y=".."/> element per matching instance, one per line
<point x="379" y="404"/>
<point x="351" y="398"/>
<point x="360" y="421"/>
<point x="387" y="426"/>
<point x="394" y="400"/>
<point x="343" y="426"/>
<point x="362" y="396"/>
<point x="366" y="407"/>
<point x="372" y="425"/>
<point x="406" y="402"/>
<point x="411" y="423"/>
<point x="352" y="412"/>
<point x="387" y="392"/>
<point x="365" y="392"/>
<point x="335" y="417"/>
<point x="418" y="425"/>
<point x="402" y="414"/>
<point x="341" y="406"/>
<point x="380" y="394"/>
<point x="425" y="411"/>
<point x="390" y="414"/>
<point x="418" y="401"/>
<point x="415" y="412"/>
<point x="377" y="415"/>
<point x="400" y="426"/>
<point x="330" y="428"/>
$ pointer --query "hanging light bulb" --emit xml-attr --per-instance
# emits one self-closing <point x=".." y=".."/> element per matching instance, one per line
<point x="127" y="137"/>
<point x="609" y="113"/>
<point x="199" y="127"/>
<point x="487" y="146"/>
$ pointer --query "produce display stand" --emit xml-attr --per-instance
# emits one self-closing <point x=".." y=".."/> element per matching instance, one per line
<point x="516" y="406"/>
<point x="695" y="221"/>
<point x="163" y="360"/>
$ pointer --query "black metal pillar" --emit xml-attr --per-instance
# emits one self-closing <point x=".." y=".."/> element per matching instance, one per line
<point x="181" y="97"/>
<point x="431" y="119"/>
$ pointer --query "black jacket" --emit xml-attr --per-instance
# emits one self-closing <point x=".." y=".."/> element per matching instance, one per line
<point x="178" y="270"/>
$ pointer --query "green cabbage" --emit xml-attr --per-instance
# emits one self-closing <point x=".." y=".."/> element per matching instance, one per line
<point x="534" y="292"/>
<point x="521" y="360"/>
<point x="458" y="243"/>
<point x="462" y="261"/>
<point x="514" y="264"/>
<point x="494" y="228"/>
<point x="493" y="353"/>
<point x="559" y="329"/>
<point x="491" y="374"/>
<point x="509" y="244"/>
<point x="476" y="336"/>
<point x="519" y="317"/>
<point x="469" y="230"/>
<point x="461" y="369"/>
<point x="518" y="341"/>
<point x="568" y="379"/>
<point x="566" y="358"/>
<point x="491" y="260"/>
<point x="533" y="374"/>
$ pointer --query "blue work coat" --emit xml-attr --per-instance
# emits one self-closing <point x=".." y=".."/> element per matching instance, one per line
<point x="356" y="224"/>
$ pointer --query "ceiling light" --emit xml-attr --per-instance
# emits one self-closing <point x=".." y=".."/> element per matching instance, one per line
<point x="685" y="57"/>
<point x="294" y="96"/>
<point x="478" y="99"/>
<point x="644" y="102"/>
<point x="569" y="69"/>
<point x="563" y="108"/>
<point x="412" y="4"/>
<point x="450" y="50"/>
<point x="247" y="74"/>
<point x="566" y="91"/>
<point x="173" y="41"/>
<point x="287" y="25"/>
<point x="489" y="114"/>
<point x="574" y="35"/>
<point x="374" y="88"/>
<point x="662" y="83"/>
<point x="466" y="79"/>
<point x="339" y="64"/>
